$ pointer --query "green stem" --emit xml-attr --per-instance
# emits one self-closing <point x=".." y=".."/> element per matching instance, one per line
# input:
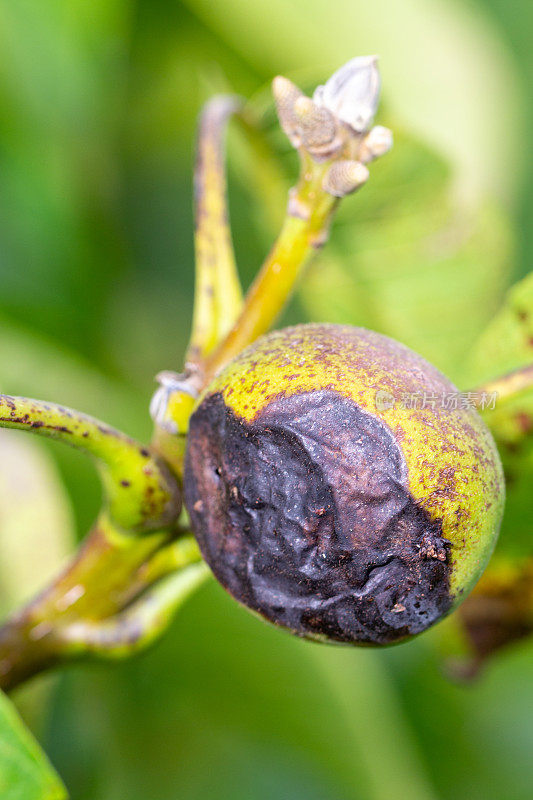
<point x="110" y="570"/>
<point x="141" y="492"/>
<point x="176" y="555"/>
<point x="114" y="598"/>
<point x="140" y="624"/>
<point x="95" y="585"/>
<point x="305" y="230"/>
<point x="218" y="295"/>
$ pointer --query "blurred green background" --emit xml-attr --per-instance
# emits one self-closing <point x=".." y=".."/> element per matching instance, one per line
<point x="98" y="102"/>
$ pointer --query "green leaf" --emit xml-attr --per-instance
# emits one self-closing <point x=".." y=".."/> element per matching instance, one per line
<point x="505" y="345"/>
<point x="507" y="342"/>
<point x="25" y="772"/>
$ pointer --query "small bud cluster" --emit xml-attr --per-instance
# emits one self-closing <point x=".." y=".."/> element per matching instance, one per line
<point x="335" y="125"/>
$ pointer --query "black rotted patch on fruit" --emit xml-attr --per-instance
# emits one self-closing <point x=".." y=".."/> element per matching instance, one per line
<point x="305" y="517"/>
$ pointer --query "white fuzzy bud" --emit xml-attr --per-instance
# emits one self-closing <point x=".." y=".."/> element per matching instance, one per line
<point x="352" y="93"/>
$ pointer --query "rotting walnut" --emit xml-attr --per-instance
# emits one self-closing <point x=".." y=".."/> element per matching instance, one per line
<point x="325" y="502"/>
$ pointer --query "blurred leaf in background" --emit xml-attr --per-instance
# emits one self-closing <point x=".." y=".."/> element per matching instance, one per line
<point x="36" y="521"/>
<point x="506" y="345"/>
<point x="98" y="103"/>
<point x="26" y="773"/>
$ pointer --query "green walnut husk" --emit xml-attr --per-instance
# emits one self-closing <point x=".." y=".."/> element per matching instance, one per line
<point x="335" y="489"/>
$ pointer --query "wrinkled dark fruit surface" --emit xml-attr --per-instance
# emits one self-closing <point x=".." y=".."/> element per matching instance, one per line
<point x="305" y="516"/>
<point x="335" y="489"/>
